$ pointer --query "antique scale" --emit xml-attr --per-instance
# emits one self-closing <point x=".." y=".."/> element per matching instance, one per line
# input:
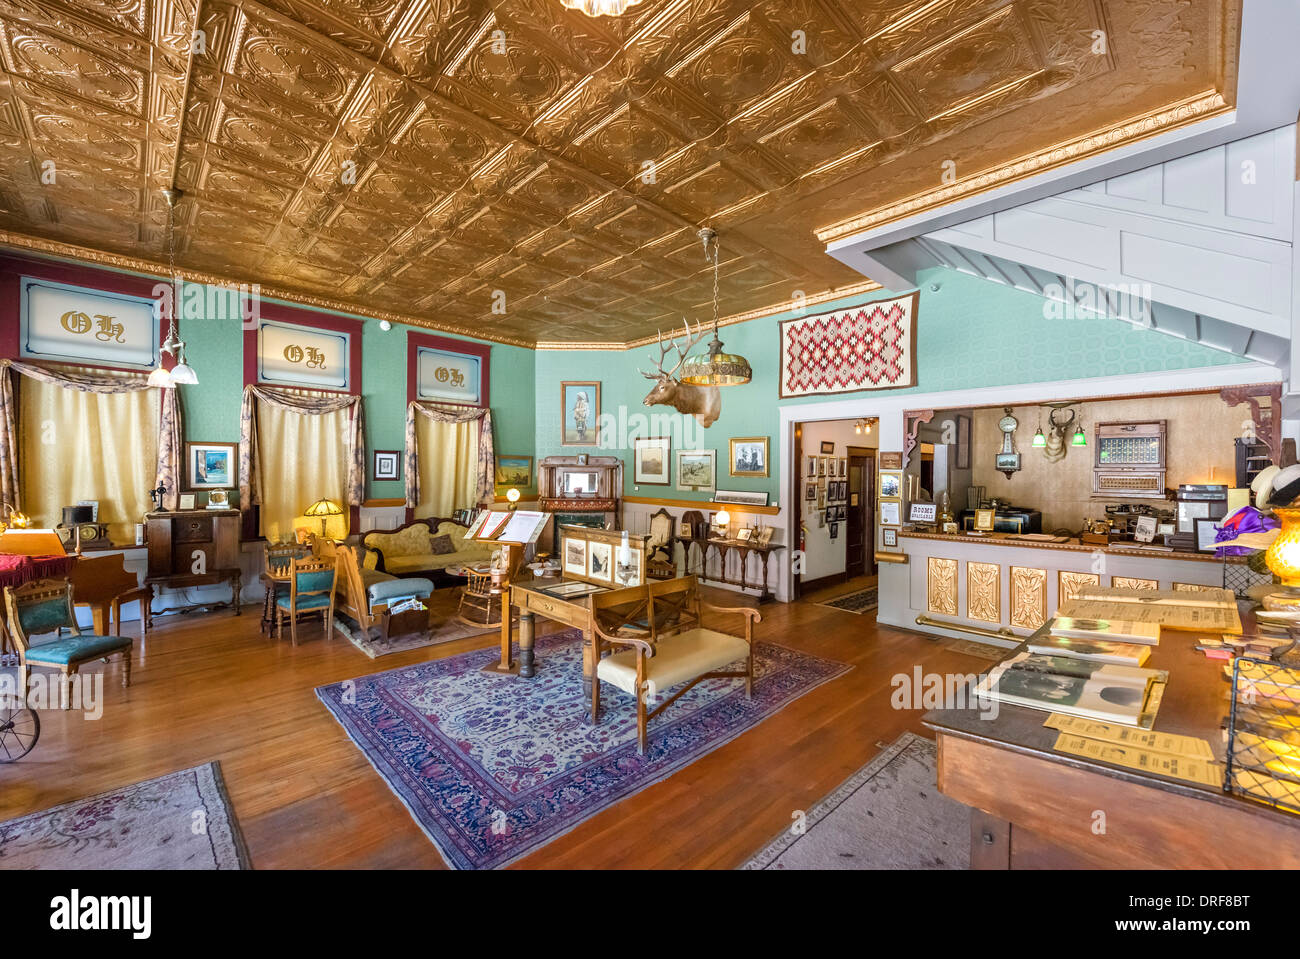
<point x="1008" y="460"/>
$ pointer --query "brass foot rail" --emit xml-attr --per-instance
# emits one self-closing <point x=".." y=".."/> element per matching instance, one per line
<point x="1003" y="633"/>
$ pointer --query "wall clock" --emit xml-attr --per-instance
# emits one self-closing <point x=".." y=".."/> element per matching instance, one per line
<point x="1008" y="460"/>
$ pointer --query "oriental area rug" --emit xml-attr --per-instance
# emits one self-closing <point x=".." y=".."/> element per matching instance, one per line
<point x="179" y="821"/>
<point x="446" y="630"/>
<point x="492" y="767"/>
<point x="861" y="601"/>
<point x="887" y="815"/>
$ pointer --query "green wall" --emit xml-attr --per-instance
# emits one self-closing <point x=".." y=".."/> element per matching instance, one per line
<point x="215" y="348"/>
<point x="970" y="333"/>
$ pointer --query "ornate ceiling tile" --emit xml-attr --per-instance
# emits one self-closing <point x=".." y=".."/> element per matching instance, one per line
<point x="402" y="158"/>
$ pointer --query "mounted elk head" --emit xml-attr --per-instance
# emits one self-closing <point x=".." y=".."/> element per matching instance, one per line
<point x="702" y="402"/>
<point x="1057" y="446"/>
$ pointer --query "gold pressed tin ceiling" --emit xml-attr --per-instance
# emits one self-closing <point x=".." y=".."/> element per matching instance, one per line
<point x="407" y="158"/>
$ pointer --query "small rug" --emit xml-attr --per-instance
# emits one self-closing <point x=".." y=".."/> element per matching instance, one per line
<point x="887" y="815"/>
<point x="982" y="650"/>
<point x="492" y="767"/>
<point x="861" y="601"/>
<point x="443" y="632"/>
<point x="148" y="825"/>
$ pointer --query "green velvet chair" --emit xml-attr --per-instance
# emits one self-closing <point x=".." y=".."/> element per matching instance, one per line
<point x="311" y="590"/>
<point x="45" y="607"/>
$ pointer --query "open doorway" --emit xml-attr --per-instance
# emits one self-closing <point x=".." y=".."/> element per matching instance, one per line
<point x="834" y="496"/>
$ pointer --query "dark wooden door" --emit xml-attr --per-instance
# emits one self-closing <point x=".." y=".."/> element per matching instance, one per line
<point x="860" y="555"/>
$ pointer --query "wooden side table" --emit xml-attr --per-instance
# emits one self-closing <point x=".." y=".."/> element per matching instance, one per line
<point x="725" y="547"/>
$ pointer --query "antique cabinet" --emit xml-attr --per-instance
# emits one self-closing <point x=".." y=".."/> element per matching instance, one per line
<point x="198" y="547"/>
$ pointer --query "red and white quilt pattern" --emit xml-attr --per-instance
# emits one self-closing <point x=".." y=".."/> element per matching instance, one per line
<point x="868" y="347"/>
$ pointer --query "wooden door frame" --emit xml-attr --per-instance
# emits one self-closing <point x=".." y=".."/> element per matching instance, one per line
<point x="869" y="565"/>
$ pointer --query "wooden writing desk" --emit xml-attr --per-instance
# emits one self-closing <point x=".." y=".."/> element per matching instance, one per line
<point x="527" y="595"/>
<point x="1034" y="807"/>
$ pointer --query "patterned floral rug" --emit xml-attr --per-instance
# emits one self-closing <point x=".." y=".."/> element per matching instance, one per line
<point x="492" y="767"/>
<point x="179" y="821"/>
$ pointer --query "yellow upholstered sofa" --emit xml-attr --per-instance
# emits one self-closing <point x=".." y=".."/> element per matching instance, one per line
<point x="410" y="549"/>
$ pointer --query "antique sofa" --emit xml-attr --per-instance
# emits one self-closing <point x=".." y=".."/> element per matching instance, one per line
<point x="420" y="548"/>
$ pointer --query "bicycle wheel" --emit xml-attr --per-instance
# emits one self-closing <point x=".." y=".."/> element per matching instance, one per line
<point x="19" y="729"/>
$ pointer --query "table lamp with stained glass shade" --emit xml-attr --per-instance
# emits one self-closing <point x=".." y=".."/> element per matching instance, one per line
<point x="324" y="510"/>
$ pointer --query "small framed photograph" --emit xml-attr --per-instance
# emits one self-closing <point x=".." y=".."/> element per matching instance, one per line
<point x="1206" y="530"/>
<point x="821" y="499"/>
<point x="891" y="484"/>
<point x="834" y="530"/>
<point x="388" y="464"/>
<point x="218" y="499"/>
<point x="748" y="456"/>
<point x="685" y="531"/>
<point x="890" y="461"/>
<point x="600" y="559"/>
<point x="891" y="513"/>
<point x="843" y="467"/>
<point x="821" y="466"/>
<point x="211" y="465"/>
<point x="575" y="556"/>
<point x="984" y="520"/>
<point x="1146" y="529"/>
<point x="810" y="491"/>
<point x="889" y="537"/>
<point x="745" y="535"/>
<point x="810" y="468"/>
<point x="828" y="446"/>
<point x="187" y="501"/>
<point x="765" y="535"/>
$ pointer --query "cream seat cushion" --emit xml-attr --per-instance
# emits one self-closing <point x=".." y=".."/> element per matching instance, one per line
<point x="678" y="659"/>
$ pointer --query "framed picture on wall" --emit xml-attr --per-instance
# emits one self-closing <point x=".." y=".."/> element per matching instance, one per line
<point x="388" y="464"/>
<point x="211" y="465"/>
<point x="810" y="492"/>
<point x="651" y="462"/>
<point x="748" y="456"/>
<point x="828" y="446"/>
<point x="696" y="470"/>
<point x="811" y="467"/>
<point x="889" y="537"/>
<point x="513" y="472"/>
<point x="891" y="513"/>
<point x="891" y="484"/>
<point x="579" y="413"/>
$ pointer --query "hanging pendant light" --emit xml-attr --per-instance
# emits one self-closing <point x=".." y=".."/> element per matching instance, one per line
<point x="1080" y="438"/>
<point x="600" y="8"/>
<point x="182" y="374"/>
<point x="1040" y="440"/>
<point x="716" y="368"/>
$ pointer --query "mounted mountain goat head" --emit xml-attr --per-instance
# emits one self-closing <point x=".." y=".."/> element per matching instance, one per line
<point x="1057" y="445"/>
<point x="702" y="402"/>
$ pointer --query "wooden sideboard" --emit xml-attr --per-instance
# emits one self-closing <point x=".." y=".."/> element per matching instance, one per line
<point x="198" y="547"/>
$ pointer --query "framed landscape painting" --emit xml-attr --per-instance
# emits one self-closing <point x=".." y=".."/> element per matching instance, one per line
<point x="651" y="460"/>
<point x="513" y="472"/>
<point x="579" y="413"/>
<point x="696" y="470"/>
<point x="211" y="465"/>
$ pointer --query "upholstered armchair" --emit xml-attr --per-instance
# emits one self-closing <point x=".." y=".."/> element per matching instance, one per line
<point x="649" y="662"/>
<point x="368" y="596"/>
<point x="45" y="606"/>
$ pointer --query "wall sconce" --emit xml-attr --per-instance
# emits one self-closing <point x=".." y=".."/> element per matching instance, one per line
<point x="863" y="425"/>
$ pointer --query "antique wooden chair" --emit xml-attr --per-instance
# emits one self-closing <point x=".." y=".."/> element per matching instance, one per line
<point x="369" y="595"/>
<point x="311" y="590"/>
<point x="661" y="548"/>
<point x="46" y="606"/>
<point x="652" y="662"/>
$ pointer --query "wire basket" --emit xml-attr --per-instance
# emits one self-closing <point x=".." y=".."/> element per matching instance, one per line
<point x="1264" y="733"/>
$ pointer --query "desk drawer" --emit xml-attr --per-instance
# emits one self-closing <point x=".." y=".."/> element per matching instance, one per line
<point x="555" y="609"/>
<point x="192" y="529"/>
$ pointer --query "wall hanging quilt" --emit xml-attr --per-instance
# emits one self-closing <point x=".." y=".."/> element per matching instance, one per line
<point x="868" y="347"/>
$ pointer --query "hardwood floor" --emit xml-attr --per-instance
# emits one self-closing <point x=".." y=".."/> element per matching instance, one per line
<point x="211" y="687"/>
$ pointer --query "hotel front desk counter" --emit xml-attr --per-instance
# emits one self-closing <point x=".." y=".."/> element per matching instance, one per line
<point x="1033" y="807"/>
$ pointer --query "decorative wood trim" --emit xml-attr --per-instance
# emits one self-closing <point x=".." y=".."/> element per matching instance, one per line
<point x="912" y="420"/>
<point x="383" y="503"/>
<point x="1028" y="597"/>
<point x="704" y="504"/>
<point x="984" y="592"/>
<point x="1267" y="422"/>
<point x="1134" y="582"/>
<point x="1194" y="587"/>
<point x="1069" y="583"/>
<point x="941" y="586"/>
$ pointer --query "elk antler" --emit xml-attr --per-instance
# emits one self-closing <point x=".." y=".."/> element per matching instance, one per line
<point x="1060" y="427"/>
<point x="692" y="338"/>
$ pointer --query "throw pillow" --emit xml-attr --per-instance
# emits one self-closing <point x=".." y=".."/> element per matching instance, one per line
<point x="441" y="545"/>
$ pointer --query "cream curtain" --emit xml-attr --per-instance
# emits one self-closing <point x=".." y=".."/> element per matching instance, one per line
<point x="88" y="415"/>
<point x="304" y="457"/>
<point x="444" y="468"/>
<point x="448" y="466"/>
<point x="87" y="446"/>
